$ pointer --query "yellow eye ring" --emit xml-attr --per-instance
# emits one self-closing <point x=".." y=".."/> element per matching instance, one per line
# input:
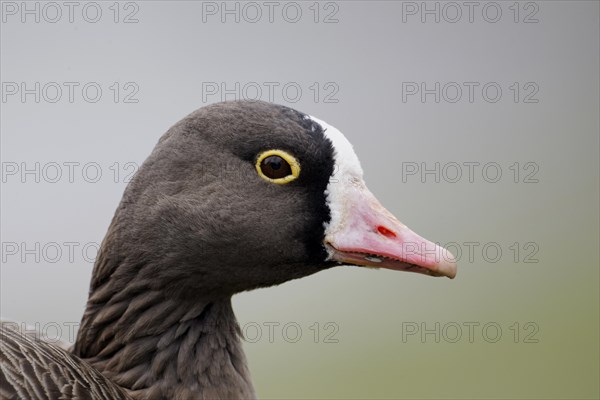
<point x="284" y="162"/>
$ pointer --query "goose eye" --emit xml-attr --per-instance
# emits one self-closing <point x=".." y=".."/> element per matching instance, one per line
<point x="277" y="166"/>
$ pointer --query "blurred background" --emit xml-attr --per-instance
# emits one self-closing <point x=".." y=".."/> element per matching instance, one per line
<point x="476" y="123"/>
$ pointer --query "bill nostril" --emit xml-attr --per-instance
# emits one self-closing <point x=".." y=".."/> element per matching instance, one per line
<point x="386" y="232"/>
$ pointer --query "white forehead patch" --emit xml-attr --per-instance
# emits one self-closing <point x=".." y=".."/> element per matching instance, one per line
<point x="347" y="175"/>
<point x="346" y="161"/>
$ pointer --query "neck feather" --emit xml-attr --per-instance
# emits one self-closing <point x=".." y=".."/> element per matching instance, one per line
<point x="160" y="347"/>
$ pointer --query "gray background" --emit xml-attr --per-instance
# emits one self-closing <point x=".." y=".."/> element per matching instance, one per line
<point x="176" y="49"/>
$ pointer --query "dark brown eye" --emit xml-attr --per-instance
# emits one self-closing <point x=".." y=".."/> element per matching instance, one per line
<point x="275" y="167"/>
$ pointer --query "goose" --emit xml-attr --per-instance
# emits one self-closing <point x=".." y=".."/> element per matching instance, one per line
<point x="236" y="196"/>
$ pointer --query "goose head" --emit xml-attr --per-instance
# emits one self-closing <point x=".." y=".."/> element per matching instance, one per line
<point x="241" y="195"/>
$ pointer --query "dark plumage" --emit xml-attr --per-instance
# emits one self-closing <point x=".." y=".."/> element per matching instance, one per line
<point x="33" y="369"/>
<point x="196" y="225"/>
